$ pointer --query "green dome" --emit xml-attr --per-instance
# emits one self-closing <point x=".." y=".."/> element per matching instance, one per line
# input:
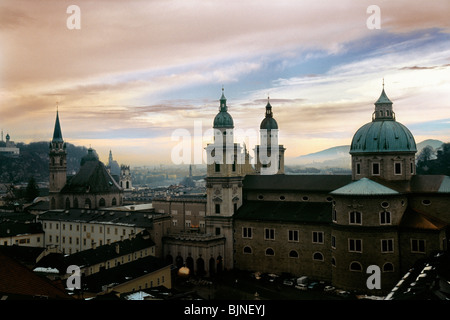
<point x="269" y="124"/>
<point x="383" y="136"/>
<point x="223" y="119"/>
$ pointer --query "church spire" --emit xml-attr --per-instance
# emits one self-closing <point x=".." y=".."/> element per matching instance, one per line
<point x="223" y="102"/>
<point x="57" y="135"/>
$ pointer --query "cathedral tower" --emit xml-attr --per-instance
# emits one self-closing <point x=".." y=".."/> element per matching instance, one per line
<point x="224" y="180"/>
<point x="269" y="154"/>
<point x="57" y="166"/>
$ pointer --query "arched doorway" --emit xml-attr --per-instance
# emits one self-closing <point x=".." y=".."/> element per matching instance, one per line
<point x="169" y="259"/>
<point x="200" y="267"/>
<point x="212" y="266"/>
<point x="179" y="261"/>
<point x="219" y="264"/>
<point x="190" y="264"/>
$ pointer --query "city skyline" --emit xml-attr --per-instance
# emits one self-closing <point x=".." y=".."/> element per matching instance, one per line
<point x="136" y="72"/>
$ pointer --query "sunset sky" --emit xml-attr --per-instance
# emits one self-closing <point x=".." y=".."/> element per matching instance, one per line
<point x="136" y="71"/>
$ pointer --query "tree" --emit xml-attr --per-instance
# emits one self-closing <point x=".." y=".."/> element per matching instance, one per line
<point x="32" y="190"/>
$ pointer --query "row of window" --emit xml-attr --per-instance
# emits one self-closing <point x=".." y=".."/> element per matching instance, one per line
<point x="282" y="197"/>
<point x="70" y="227"/>
<point x="355" y="217"/>
<point x="293" y="235"/>
<point x="376" y="168"/>
<point x="354" y="245"/>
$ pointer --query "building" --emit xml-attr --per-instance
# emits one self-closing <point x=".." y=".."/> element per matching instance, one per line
<point x="328" y="227"/>
<point x="8" y="147"/>
<point x="75" y="230"/>
<point x="92" y="187"/>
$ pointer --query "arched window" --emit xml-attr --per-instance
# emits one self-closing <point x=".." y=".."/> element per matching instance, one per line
<point x="270" y="252"/>
<point x="355" y="266"/>
<point x="102" y="202"/>
<point x="114" y="201"/>
<point x="293" y="254"/>
<point x="318" y="256"/>
<point x="388" y="267"/>
<point x="247" y="250"/>
<point x="128" y="184"/>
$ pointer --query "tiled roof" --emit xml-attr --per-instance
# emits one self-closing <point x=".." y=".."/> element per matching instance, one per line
<point x="138" y="219"/>
<point x="285" y="211"/>
<point x="11" y="229"/>
<point x="416" y="220"/>
<point x="312" y="183"/>
<point x="123" y="273"/>
<point x="19" y="282"/>
<point x="100" y="254"/>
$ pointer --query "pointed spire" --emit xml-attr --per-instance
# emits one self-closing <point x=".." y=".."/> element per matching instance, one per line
<point x="57" y="135"/>
<point x="223" y="101"/>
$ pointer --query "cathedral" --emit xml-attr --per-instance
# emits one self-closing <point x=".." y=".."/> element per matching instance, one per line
<point x="254" y="217"/>
<point x="92" y="187"/>
<point x="328" y="227"/>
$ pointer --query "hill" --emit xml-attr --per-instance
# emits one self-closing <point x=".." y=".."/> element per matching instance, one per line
<point x="339" y="157"/>
<point x="33" y="162"/>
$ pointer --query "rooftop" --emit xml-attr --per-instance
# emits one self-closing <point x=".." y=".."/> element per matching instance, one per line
<point x="312" y="183"/>
<point x="364" y="187"/>
<point x="289" y="211"/>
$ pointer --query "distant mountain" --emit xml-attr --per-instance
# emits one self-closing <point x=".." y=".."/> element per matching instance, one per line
<point x="339" y="157"/>
<point x="435" y="144"/>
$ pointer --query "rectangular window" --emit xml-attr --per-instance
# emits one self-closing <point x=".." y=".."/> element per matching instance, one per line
<point x="418" y="245"/>
<point x="355" y="245"/>
<point x="334" y="215"/>
<point x="358" y="168"/>
<point x="375" y="169"/>
<point x="293" y="235"/>
<point x="412" y="167"/>
<point x="234" y="166"/>
<point x="217" y="208"/>
<point x="217" y="231"/>
<point x="246" y="232"/>
<point x="385" y="217"/>
<point x="217" y="167"/>
<point x="333" y="242"/>
<point x="355" y="217"/>
<point x="269" y="234"/>
<point x="317" y="237"/>
<point x="387" y="245"/>
<point x="397" y="168"/>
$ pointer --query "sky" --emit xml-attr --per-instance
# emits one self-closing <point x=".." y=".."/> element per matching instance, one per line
<point x="133" y="74"/>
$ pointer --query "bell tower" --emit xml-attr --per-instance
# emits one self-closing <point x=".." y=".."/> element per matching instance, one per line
<point x="225" y="161"/>
<point x="57" y="166"/>
<point x="269" y="154"/>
